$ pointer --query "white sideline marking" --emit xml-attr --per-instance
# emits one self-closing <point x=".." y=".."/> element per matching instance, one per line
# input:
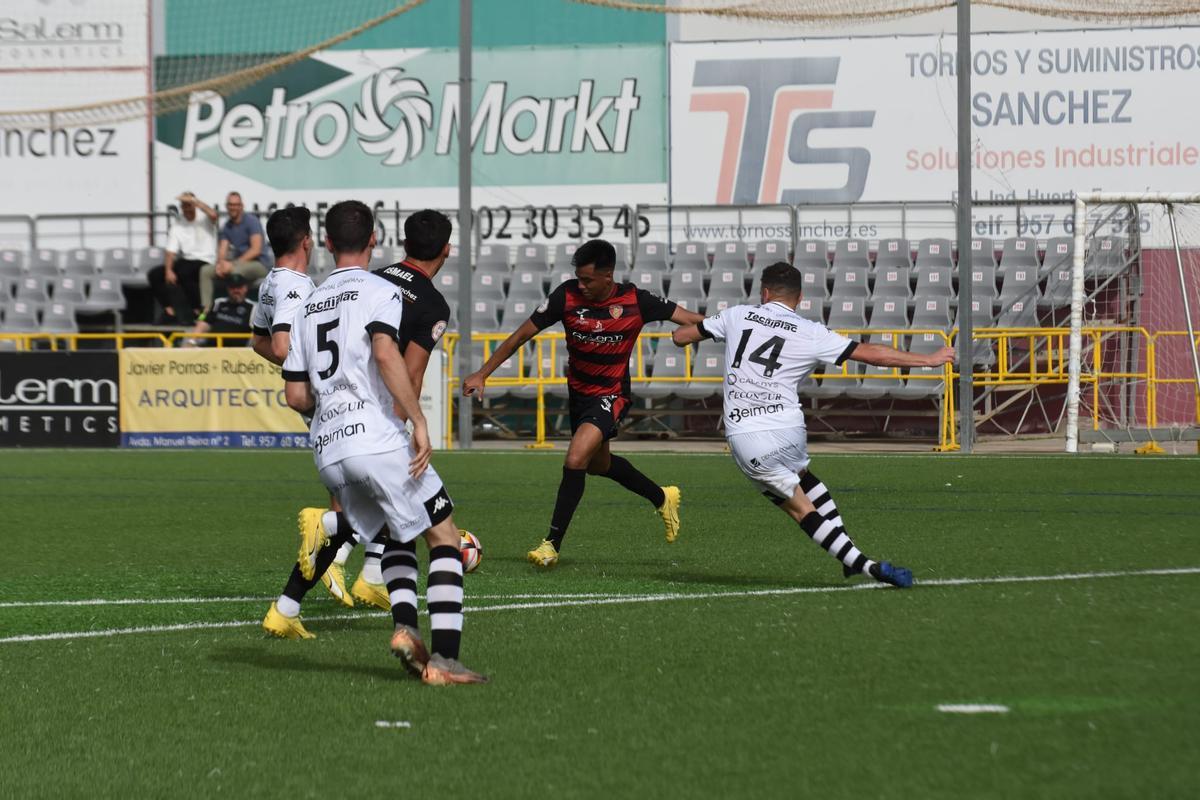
<point x="386" y="723"/>
<point x="968" y="708"/>
<point x="163" y="601"/>
<point x="619" y="600"/>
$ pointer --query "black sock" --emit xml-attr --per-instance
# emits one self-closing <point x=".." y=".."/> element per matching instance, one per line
<point x="626" y="474"/>
<point x="399" y="565"/>
<point x="297" y="586"/>
<point x="444" y="599"/>
<point x="570" y="491"/>
<point x="345" y="532"/>
<point x="835" y="541"/>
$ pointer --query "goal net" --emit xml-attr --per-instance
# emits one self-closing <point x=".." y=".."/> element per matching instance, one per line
<point x="1135" y="313"/>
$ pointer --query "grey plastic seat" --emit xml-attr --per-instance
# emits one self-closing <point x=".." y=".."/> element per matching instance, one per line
<point x="687" y="282"/>
<point x="487" y="286"/>
<point x="650" y="281"/>
<point x="485" y="315"/>
<point x="1019" y="286"/>
<point x="532" y="256"/>
<point x="59" y="318"/>
<point x="727" y="280"/>
<point x="931" y="312"/>
<point x="22" y="316"/>
<point x="527" y="282"/>
<point x="562" y="257"/>
<point x="1060" y="254"/>
<point x="115" y="262"/>
<point x="811" y="309"/>
<point x="730" y="254"/>
<point x="80" y="261"/>
<point x="982" y="316"/>
<point x="715" y="305"/>
<point x="622" y="254"/>
<point x="916" y="386"/>
<point x="892" y="281"/>
<point x="1019" y="312"/>
<point x="691" y="255"/>
<point x="104" y="294"/>
<point x="1019" y="252"/>
<point x="983" y="282"/>
<point x="851" y="253"/>
<point x="850" y="282"/>
<point x="688" y="303"/>
<point x="512" y="368"/>
<point x="875" y="382"/>
<point x="845" y="314"/>
<point x="889" y="313"/>
<point x="934" y="253"/>
<point x="517" y="310"/>
<point x="893" y="253"/>
<point x="811" y="253"/>
<point x="668" y="363"/>
<point x="651" y="256"/>
<point x="935" y="282"/>
<point x="814" y="280"/>
<point x="382" y="256"/>
<point x="1105" y="258"/>
<point x="45" y="262"/>
<point x="708" y="361"/>
<point x="983" y="252"/>
<point x="770" y="251"/>
<point x="70" y="289"/>
<point x="32" y="289"/>
<point x="493" y="258"/>
<point x="560" y="276"/>
<point x="1058" y="287"/>
<point x="12" y="263"/>
<point x="446" y="281"/>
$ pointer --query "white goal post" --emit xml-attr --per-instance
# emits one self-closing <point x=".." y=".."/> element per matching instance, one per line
<point x="1090" y="200"/>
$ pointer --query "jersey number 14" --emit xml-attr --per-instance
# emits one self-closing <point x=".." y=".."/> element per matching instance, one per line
<point x="766" y="355"/>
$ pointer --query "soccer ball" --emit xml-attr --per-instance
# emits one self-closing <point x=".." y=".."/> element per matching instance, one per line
<point x="472" y="551"/>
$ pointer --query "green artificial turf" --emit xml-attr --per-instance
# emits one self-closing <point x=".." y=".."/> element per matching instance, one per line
<point x="725" y="691"/>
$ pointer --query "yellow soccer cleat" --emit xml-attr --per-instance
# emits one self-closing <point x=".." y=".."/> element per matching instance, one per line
<point x="441" y="671"/>
<point x="277" y="624"/>
<point x="313" y="537"/>
<point x="544" y="555"/>
<point x="408" y="647"/>
<point x="335" y="581"/>
<point x="373" y="594"/>
<point x="669" y="511"/>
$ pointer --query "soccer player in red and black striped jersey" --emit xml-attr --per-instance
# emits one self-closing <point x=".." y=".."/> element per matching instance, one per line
<point x="602" y="320"/>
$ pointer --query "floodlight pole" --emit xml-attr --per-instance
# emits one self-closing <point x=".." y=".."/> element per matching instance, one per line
<point x="465" y="235"/>
<point x="966" y="361"/>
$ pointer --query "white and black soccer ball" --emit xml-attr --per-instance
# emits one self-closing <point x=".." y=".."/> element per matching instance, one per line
<point x="472" y="551"/>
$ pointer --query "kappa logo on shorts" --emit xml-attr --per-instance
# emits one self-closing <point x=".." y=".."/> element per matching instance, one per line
<point x="606" y="404"/>
<point x="439" y="506"/>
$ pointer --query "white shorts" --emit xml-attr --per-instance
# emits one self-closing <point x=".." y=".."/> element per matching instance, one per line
<point x="376" y="490"/>
<point x="772" y="460"/>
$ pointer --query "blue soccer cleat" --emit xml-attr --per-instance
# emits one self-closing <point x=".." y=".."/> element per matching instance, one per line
<point x="887" y="572"/>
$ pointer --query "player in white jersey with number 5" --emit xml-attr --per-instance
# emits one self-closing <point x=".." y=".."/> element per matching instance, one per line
<point x="769" y="350"/>
<point x="345" y="368"/>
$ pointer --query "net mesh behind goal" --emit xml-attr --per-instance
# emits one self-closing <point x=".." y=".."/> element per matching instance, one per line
<point x="1141" y="289"/>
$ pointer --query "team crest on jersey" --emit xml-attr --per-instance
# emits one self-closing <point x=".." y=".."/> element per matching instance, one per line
<point x="438" y="330"/>
<point x="616" y="311"/>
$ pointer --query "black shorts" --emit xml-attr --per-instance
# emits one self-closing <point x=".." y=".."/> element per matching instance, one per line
<point x="603" y="411"/>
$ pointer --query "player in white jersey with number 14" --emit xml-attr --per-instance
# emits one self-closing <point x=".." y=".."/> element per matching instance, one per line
<point x="769" y="350"/>
<point x="345" y="368"/>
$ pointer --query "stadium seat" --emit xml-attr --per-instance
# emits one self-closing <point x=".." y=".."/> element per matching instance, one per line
<point x="12" y="263"/>
<point x="850" y="282"/>
<point x="814" y="281"/>
<point x="687" y="303"/>
<point x="811" y="309"/>
<point x="708" y="361"/>
<point x="45" y="263"/>
<point x="446" y="281"/>
<point x="651" y="255"/>
<point x="934" y="253"/>
<point x="562" y="257"/>
<point x="70" y="289"/>
<point x="650" y="281"/>
<point x="914" y="387"/>
<point x="485" y="316"/>
<point x="1019" y="312"/>
<point x="691" y="255"/>
<point x="21" y="316"/>
<point x="452" y="323"/>
<point x="533" y="257"/>
<point x="811" y="253"/>
<point x="728" y="280"/>
<point x="487" y="286"/>
<point x="931" y="312"/>
<point x="668" y="363"/>
<point x="892" y="281"/>
<point x="32" y="289"/>
<point x="982" y="316"/>
<point x="1060" y="254"/>
<point x="517" y="310"/>
<point x="889" y="313"/>
<point x="382" y="256"/>
<point x="104" y="294"/>
<point x="493" y="258"/>
<point x="893" y="253"/>
<point x="769" y="252"/>
<point x="560" y="276"/>
<point x="322" y="264"/>
<point x="849" y="253"/>
<point x="115" y="262"/>
<point x="845" y="314"/>
<point x="730" y="254"/>
<point x="1019" y="284"/>
<point x="935" y="282"/>
<point x="512" y="368"/>
<point x="59" y="318"/>
<point x="983" y="253"/>
<point x="1105" y="258"/>
<point x="687" y="282"/>
<point x="1058" y="287"/>
<point x="983" y="282"/>
<point x="527" y="282"/>
<point x="622" y="254"/>
<point x="877" y="381"/>
<point x="1019" y="252"/>
<point x="80" y="261"/>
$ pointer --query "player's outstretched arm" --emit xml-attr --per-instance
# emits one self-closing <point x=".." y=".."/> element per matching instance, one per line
<point x="686" y="334"/>
<point x="299" y="396"/>
<point x="879" y="355"/>
<point x="387" y="356"/>
<point x="474" y="383"/>
<point x="681" y="316"/>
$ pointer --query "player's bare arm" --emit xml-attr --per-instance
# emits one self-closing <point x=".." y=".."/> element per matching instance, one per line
<point x="416" y="358"/>
<point x="299" y="396"/>
<point x="686" y="334"/>
<point x="474" y="383"/>
<point x="682" y="316"/>
<point x="879" y="355"/>
<point x="273" y="348"/>
<point x="395" y="376"/>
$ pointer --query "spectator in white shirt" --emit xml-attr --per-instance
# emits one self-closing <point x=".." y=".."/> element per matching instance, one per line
<point x="191" y="245"/>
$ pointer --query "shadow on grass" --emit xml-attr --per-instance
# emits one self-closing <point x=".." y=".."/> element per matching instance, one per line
<point x="298" y="662"/>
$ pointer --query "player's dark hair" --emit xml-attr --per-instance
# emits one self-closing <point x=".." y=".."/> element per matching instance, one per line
<point x="782" y="278"/>
<point x="597" y="254"/>
<point x="426" y="234"/>
<point x="349" y="225"/>
<point x="286" y="229"/>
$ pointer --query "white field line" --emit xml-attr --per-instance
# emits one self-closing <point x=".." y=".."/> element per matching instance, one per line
<point x="972" y="708"/>
<point x="166" y="601"/>
<point x="619" y="600"/>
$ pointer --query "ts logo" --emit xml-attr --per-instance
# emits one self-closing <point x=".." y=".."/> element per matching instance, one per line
<point x="760" y="99"/>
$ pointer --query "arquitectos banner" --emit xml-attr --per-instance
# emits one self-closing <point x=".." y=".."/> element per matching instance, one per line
<point x="873" y="119"/>
<point x="217" y="397"/>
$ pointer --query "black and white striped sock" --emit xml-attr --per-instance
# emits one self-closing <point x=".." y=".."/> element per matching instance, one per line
<point x="854" y="561"/>
<point x="836" y="542"/>
<point x="400" y="570"/>
<point x="444" y="598"/>
<point x="372" y="553"/>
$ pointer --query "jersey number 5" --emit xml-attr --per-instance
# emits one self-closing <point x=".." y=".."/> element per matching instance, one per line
<point x="326" y="344"/>
<point x="766" y="355"/>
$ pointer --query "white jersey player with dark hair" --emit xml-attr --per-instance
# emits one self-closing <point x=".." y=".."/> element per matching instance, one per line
<point x="346" y="369"/>
<point x="769" y="350"/>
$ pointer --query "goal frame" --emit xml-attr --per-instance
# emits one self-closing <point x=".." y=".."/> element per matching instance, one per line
<point x="1082" y="201"/>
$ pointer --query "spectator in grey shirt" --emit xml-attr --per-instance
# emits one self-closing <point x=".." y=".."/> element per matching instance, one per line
<point x="241" y="250"/>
